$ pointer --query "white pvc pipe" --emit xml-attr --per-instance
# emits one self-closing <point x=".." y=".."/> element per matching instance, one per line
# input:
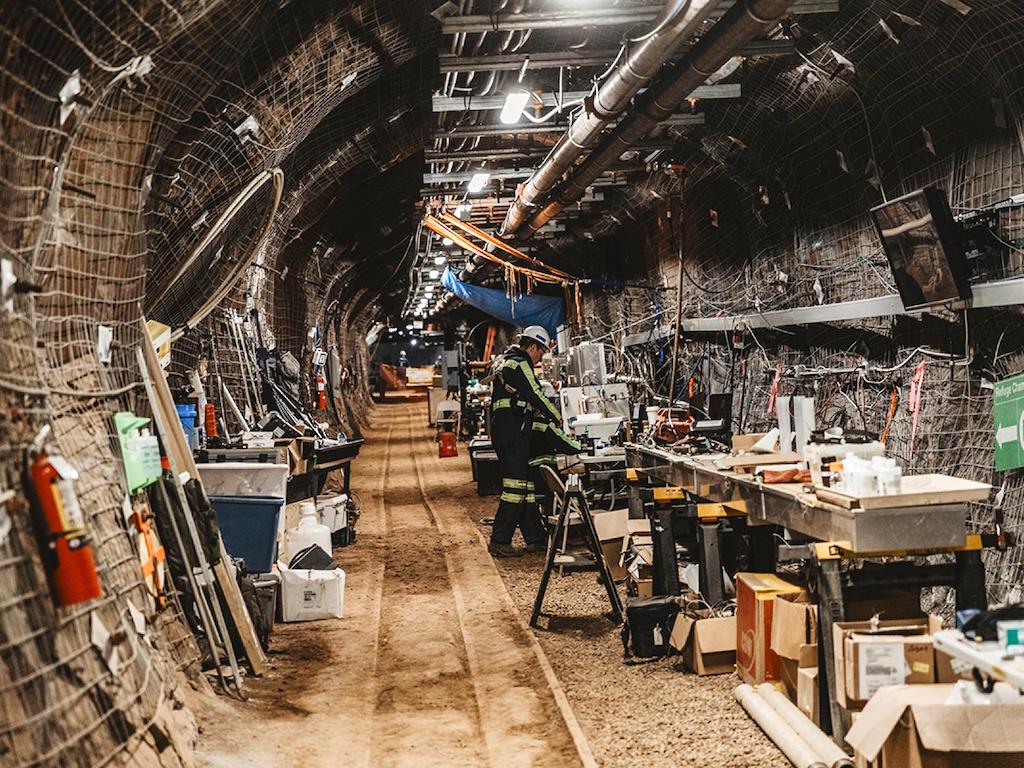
<point x="826" y="749"/>
<point x="786" y="739"/>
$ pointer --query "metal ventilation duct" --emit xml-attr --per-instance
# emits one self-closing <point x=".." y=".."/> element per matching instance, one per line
<point x="741" y="24"/>
<point x="612" y="98"/>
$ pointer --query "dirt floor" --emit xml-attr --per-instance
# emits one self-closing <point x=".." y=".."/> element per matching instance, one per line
<point x="431" y="665"/>
<point x="434" y="666"/>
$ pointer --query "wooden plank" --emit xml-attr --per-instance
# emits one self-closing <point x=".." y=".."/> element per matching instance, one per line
<point x="750" y="460"/>
<point x="182" y="460"/>
<point x="917" y="491"/>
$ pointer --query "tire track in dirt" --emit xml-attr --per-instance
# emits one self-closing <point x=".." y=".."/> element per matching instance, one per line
<point x="426" y="710"/>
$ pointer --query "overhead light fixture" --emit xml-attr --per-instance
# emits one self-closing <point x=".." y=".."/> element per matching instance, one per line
<point x="448" y="240"/>
<point x="439" y="260"/>
<point x="515" y="103"/>
<point x="479" y="181"/>
<point x="434" y="274"/>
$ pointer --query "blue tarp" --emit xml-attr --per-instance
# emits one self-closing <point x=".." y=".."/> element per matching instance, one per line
<point x="531" y="309"/>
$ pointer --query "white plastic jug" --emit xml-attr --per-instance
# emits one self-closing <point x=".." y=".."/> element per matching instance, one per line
<point x="308" y="531"/>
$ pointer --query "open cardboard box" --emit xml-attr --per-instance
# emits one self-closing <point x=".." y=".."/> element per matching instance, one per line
<point x="756" y="662"/>
<point x="639" y="566"/>
<point x="708" y="645"/>
<point x="612" y="529"/>
<point x="912" y="726"/>
<point x="868" y="657"/>
<point x="807" y="693"/>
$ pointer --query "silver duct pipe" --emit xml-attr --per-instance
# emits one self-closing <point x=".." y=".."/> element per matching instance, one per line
<point x="612" y="98"/>
<point x="741" y="23"/>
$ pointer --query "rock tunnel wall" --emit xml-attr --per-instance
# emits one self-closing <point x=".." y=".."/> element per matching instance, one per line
<point x="772" y="213"/>
<point x="161" y="158"/>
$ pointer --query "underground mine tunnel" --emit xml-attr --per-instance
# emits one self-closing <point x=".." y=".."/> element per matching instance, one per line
<point x="511" y="383"/>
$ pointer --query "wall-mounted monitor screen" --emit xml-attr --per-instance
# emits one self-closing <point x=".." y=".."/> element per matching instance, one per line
<point x="922" y="243"/>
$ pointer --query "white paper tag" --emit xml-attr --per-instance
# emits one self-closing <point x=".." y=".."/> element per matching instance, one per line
<point x="880" y="664"/>
<point x="659" y="638"/>
<point x="313" y="596"/>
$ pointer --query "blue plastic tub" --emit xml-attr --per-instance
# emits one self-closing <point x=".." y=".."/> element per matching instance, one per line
<point x="248" y="525"/>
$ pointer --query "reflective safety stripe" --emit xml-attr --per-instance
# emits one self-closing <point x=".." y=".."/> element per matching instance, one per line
<point x="540" y="426"/>
<point x="550" y="458"/>
<point x="505" y="402"/>
<point x="514" y="484"/>
<point x="518" y="498"/>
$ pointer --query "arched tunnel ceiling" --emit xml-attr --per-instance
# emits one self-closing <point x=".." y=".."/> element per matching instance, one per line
<point x="194" y="100"/>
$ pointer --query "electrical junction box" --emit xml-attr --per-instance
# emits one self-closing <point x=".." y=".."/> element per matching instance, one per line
<point x="585" y="365"/>
<point x="451" y="369"/>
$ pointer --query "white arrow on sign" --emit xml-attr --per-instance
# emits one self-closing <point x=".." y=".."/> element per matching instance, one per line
<point x="1006" y="434"/>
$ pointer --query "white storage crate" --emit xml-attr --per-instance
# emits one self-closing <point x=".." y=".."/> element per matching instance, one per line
<point x="311" y="595"/>
<point x="242" y="478"/>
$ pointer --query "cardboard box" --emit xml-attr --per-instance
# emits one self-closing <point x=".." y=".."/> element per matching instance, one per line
<point x="789" y="669"/>
<point x="891" y="652"/>
<point x="637" y="557"/>
<point x="912" y="726"/>
<point x="708" y="645"/>
<point x="807" y="693"/>
<point x="755" y="600"/>
<point x="612" y="527"/>
<point x="794" y="623"/>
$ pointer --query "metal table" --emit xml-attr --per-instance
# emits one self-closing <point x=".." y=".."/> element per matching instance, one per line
<point x="839" y="534"/>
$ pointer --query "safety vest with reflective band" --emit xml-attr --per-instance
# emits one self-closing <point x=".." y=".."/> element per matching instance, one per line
<point x="517" y="491"/>
<point x="554" y="439"/>
<point x="516" y="387"/>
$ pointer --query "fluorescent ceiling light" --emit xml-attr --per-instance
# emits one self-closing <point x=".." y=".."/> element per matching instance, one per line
<point x="439" y="260"/>
<point x="434" y="274"/>
<point x="515" y="103"/>
<point x="447" y="240"/>
<point x="479" y="181"/>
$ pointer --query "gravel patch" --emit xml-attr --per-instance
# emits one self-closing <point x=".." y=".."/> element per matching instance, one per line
<point x="637" y="714"/>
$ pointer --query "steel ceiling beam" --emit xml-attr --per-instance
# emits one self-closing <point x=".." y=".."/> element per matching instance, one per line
<point x="472" y="131"/>
<point x="601" y="58"/>
<point x="593" y="17"/>
<point x="491" y="103"/>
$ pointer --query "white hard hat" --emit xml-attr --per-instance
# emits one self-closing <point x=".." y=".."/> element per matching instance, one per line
<point x="537" y="334"/>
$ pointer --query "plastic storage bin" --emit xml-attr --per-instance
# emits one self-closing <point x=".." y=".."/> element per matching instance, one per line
<point x="248" y="525"/>
<point x="312" y="595"/>
<point x="239" y="478"/>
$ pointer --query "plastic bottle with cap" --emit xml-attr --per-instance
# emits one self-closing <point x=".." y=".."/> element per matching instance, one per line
<point x="308" y="531"/>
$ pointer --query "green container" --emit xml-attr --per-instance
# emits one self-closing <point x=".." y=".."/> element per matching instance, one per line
<point x="140" y="450"/>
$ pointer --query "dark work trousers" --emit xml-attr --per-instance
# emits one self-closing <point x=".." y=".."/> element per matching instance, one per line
<point x="517" y="507"/>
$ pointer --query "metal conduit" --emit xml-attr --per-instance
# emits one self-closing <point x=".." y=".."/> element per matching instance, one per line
<point x="611" y="100"/>
<point x="741" y="24"/>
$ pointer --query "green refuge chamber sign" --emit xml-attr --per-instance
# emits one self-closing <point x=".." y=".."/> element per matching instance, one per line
<point x="1008" y="422"/>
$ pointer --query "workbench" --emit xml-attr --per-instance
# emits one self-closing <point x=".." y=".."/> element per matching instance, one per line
<point x="320" y="464"/>
<point x="604" y="466"/>
<point x="834" y="533"/>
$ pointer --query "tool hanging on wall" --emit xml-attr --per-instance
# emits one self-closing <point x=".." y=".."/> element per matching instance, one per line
<point x="206" y="574"/>
<point x="64" y="546"/>
<point x="152" y="558"/>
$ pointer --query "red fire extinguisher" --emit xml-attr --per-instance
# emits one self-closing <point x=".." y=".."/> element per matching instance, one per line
<point x="321" y="392"/>
<point x="67" y="553"/>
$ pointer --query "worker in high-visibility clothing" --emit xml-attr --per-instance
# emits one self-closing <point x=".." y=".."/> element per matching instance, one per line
<point x="517" y="404"/>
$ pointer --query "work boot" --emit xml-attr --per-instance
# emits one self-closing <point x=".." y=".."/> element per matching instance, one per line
<point x="537" y="547"/>
<point x="503" y="550"/>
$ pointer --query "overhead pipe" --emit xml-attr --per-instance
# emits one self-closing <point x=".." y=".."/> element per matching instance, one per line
<point x="610" y="101"/>
<point x="744" y="21"/>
